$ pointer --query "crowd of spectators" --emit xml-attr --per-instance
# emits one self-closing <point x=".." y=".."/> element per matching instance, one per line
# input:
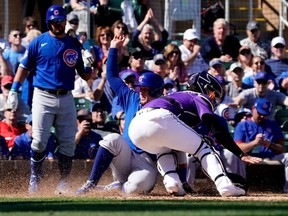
<point x="249" y="69"/>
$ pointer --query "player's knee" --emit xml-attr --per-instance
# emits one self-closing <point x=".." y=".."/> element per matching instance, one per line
<point x="38" y="146"/>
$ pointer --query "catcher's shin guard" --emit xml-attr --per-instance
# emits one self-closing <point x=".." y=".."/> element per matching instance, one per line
<point x="167" y="164"/>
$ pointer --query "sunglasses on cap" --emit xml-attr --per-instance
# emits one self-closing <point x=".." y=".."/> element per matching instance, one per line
<point x="58" y="20"/>
<point x="262" y="81"/>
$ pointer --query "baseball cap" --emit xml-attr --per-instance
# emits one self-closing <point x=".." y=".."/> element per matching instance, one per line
<point x="29" y="119"/>
<point x="263" y="106"/>
<point x="159" y="59"/>
<point x="7" y="79"/>
<point x="278" y="40"/>
<point x="262" y="75"/>
<point x="251" y="25"/>
<point x="137" y="53"/>
<point x="215" y="62"/>
<point x="97" y="107"/>
<point x="235" y="65"/>
<point x="127" y="74"/>
<point x="221" y="80"/>
<point x="72" y="16"/>
<point x="190" y="34"/>
<point x="169" y="82"/>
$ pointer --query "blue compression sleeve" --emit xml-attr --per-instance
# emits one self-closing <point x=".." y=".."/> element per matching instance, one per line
<point x="15" y="86"/>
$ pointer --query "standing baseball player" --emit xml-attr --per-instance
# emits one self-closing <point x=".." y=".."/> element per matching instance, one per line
<point x="54" y="56"/>
<point x="134" y="169"/>
<point x="163" y="124"/>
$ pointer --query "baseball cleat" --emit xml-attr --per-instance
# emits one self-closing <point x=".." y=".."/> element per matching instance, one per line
<point x="88" y="186"/>
<point x="34" y="184"/>
<point x="113" y="186"/>
<point x="232" y="190"/>
<point x="62" y="188"/>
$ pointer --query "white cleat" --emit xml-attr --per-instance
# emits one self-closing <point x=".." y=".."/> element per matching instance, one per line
<point x="62" y="188"/>
<point x="232" y="191"/>
<point x="173" y="184"/>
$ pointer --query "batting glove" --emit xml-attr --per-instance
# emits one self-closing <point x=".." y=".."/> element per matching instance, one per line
<point x="12" y="100"/>
<point x="87" y="58"/>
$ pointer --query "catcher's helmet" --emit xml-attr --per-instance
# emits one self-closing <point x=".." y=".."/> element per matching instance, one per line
<point x="55" y="12"/>
<point x="153" y="81"/>
<point x="206" y="84"/>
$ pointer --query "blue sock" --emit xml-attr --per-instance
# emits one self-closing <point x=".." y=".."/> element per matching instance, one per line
<point x="101" y="163"/>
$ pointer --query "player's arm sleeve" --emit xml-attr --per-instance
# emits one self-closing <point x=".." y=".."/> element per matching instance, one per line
<point x="112" y="71"/>
<point x="222" y="136"/>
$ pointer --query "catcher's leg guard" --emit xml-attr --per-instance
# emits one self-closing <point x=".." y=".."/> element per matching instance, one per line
<point x="213" y="167"/>
<point x="167" y="164"/>
<point x="36" y="170"/>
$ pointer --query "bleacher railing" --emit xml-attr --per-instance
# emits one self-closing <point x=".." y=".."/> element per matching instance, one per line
<point x="283" y="16"/>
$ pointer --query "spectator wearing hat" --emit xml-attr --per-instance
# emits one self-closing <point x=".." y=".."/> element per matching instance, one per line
<point x="170" y="86"/>
<point x="28" y="23"/>
<point x="261" y="137"/>
<point x="216" y="68"/>
<point x="176" y="68"/>
<point x="190" y="53"/>
<point x="22" y="143"/>
<point x="258" y="46"/>
<point x="236" y="85"/>
<point x="101" y="122"/>
<point x="220" y="46"/>
<point x="159" y="65"/>
<point x="137" y="63"/>
<point x="278" y="62"/>
<point x="247" y="98"/>
<point x="87" y="141"/>
<point x="6" y="84"/>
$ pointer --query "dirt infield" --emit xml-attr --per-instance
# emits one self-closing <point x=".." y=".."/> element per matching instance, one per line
<point x="14" y="181"/>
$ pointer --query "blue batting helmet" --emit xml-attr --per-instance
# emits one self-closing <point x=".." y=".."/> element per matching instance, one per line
<point x="153" y="81"/>
<point x="55" y="12"/>
<point x="206" y="84"/>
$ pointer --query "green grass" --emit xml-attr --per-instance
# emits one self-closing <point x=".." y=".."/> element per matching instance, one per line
<point x="105" y="207"/>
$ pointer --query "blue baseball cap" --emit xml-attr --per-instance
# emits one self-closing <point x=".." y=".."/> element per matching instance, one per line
<point x="262" y="75"/>
<point x="215" y="62"/>
<point x="263" y="106"/>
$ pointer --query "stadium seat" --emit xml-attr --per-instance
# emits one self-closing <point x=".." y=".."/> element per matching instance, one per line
<point x="82" y="103"/>
<point x="281" y="116"/>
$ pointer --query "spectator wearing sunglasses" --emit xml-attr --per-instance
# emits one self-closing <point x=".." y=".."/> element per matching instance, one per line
<point x="258" y="45"/>
<point x="278" y="62"/>
<point x="15" y="53"/>
<point x="246" y="98"/>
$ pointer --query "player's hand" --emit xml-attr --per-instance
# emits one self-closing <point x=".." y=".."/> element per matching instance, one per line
<point x="87" y="58"/>
<point x="118" y="41"/>
<point x="12" y="100"/>
<point x="249" y="159"/>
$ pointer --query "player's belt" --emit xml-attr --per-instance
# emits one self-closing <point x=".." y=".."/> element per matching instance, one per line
<point x="54" y="91"/>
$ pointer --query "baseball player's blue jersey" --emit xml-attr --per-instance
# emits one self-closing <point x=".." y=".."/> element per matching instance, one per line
<point x="247" y="130"/>
<point x="55" y="66"/>
<point x="127" y="98"/>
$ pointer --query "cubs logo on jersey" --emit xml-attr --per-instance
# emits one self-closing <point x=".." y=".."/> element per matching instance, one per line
<point x="70" y="57"/>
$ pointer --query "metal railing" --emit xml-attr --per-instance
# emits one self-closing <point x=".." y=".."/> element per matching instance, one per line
<point x="283" y="16"/>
